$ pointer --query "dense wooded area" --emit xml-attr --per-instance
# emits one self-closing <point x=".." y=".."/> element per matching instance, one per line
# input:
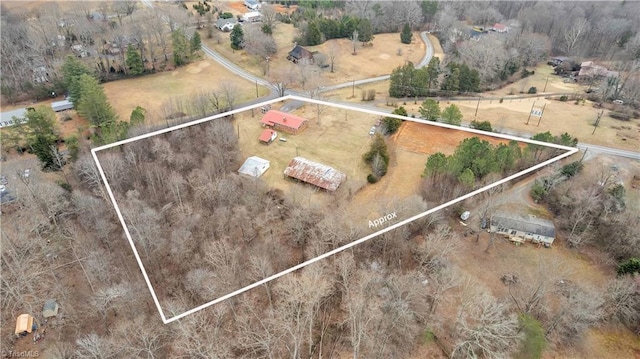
<point x="202" y="230"/>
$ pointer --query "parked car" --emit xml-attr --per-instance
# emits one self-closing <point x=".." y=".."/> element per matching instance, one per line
<point x="372" y="131"/>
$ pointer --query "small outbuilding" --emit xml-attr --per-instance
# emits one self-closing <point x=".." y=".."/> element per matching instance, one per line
<point x="283" y="121"/>
<point x="50" y="308"/>
<point x="24" y="324"/>
<point x="254" y="166"/>
<point x="298" y="53"/>
<point x="253" y="16"/>
<point x="315" y="173"/>
<point x="267" y="136"/>
<point x="63" y="105"/>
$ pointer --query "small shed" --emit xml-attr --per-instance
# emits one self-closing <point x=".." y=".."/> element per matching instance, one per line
<point x="50" y="308"/>
<point x="58" y="106"/>
<point x="254" y="166"/>
<point x="24" y="324"/>
<point x="298" y="53"/>
<point x="267" y="136"/>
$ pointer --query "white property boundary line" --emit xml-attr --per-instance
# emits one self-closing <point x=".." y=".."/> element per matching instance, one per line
<point x="94" y="151"/>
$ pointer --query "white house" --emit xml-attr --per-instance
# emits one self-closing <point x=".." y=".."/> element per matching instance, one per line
<point x="253" y="16"/>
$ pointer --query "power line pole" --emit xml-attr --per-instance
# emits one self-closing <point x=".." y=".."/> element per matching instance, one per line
<point x="545" y="84"/>
<point x="478" y="105"/>
<point x="595" y="125"/>
<point x="541" y="113"/>
<point x="532" y="106"/>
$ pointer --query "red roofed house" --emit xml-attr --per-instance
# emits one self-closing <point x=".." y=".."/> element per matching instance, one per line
<point x="497" y="27"/>
<point x="283" y="121"/>
<point x="268" y="136"/>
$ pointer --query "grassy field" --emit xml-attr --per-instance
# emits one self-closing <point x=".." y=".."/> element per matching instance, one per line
<point x="338" y="140"/>
<point x="379" y="59"/>
<point x="152" y="91"/>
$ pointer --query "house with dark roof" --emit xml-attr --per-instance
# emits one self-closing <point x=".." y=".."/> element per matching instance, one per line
<point x="298" y="53"/>
<point x="315" y="173"/>
<point x="282" y="121"/>
<point x="226" y="24"/>
<point x="521" y="228"/>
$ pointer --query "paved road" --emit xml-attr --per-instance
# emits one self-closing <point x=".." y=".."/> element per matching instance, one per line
<point x="292" y="105"/>
<point x="424" y="62"/>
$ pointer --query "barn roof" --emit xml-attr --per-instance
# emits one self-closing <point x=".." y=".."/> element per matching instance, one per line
<point x="254" y="166"/>
<point x="299" y="52"/>
<point x="315" y="173"/>
<point x="273" y="117"/>
<point x="525" y="223"/>
<point x="265" y="136"/>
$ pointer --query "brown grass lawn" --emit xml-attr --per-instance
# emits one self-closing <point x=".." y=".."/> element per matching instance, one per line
<point x="559" y="117"/>
<point x="152" y="91"/>
<point x="538" y="80"/>
<point x="339" y="140"/>
<point x="379" y="59"/>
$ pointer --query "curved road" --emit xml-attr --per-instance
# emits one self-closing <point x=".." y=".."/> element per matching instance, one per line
<point x="425" y="60"/>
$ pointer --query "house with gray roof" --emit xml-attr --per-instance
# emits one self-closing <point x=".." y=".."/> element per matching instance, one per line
<point x="521" y="228"/>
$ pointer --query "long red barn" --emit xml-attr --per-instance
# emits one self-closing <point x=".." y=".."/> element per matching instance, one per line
<point x="283" y="121"/>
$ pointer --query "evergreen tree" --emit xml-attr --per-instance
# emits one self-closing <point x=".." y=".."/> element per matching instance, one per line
<point x="436" y="165"/>
<point x="406" y="35"/>
<point x="433" y="71"/>
<point x="392" y="124"/>
<point x="314" y="36"/>
<point x="430" y="110"/>
<point x="42" y="137"/>
<point x="137" y="116"/>
<point x="72" y="69"/>
<point x="134" y="61"/>
<point x="452" y="82"/>
<point x="481" y="125"/>
<point x="469" y="79"/>
<point x="180" y="47"/>
<point x="195" y="44"/>
<point x="378" y="158"/>
<point x="237" y="37"/>
<point x="452" y="115"/>
<point x="94" y="105"/>
<point x="365" y="30"/>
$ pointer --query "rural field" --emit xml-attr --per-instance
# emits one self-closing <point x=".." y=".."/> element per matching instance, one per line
<point x="338" y="140"/>
<point x="152" y="91"/>
<point x="512" y="114"/>
<point x="376" y="60"/>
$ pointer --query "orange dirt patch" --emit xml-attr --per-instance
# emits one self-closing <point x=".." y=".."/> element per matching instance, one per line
<point x="426" y="139"/>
